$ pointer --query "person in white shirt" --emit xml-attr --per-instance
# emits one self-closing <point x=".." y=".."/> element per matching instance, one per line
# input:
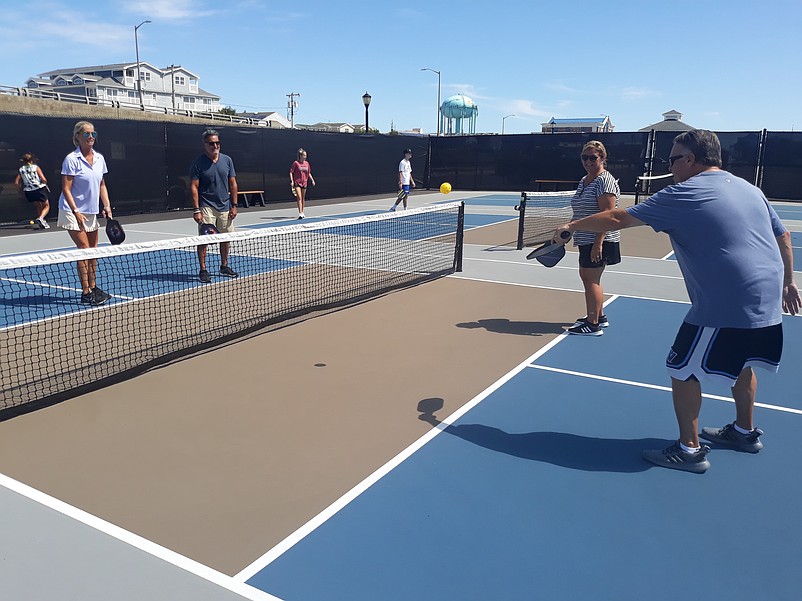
<point x="83" y="195"/>
<point x="405" y="181"/>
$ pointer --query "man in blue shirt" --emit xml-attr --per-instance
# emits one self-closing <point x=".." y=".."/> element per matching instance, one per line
<point x="213" y="185"/>
<point x="736" y="259"/>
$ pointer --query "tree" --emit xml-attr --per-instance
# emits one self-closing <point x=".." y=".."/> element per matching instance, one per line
<point x="227" y="110"/>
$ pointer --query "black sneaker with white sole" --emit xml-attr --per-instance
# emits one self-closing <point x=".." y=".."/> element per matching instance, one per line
<point x="603" y="323"/>
<point x="204" y="276"/>
<point x="586" y="329"/>
<point x="227" y="271"/>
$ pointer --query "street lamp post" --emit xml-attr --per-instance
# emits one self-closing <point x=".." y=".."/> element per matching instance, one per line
<point x="438" y="96"/>
<point x="503" y="119"/>
<point x="366" y="102"/>
<point x="138" y="76"/>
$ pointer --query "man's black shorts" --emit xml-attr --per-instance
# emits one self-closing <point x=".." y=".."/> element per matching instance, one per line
<point x="716" y="353"/>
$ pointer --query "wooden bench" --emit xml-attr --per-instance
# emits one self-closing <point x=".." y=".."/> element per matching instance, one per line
<point x="256" y="196"/>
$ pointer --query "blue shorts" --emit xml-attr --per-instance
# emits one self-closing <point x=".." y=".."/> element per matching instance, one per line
<point x="722" y="353"/>
<point x="405" y="188"/>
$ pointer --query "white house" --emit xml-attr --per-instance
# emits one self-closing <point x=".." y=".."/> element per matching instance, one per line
<point x="580" y="125"/>
<point x="170" y="87"/>
<point x="271" y="119"/>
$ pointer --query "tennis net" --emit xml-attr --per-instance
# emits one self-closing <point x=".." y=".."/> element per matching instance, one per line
<point x="54" y="347"/>
<point x="540" y="213"/>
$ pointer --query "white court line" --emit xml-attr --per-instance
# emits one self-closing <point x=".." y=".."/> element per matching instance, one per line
<point x="655" y="387"/>
<point x="611" y="269"/>
<point x="136" y="541"/>
<point x="294" y="538"/>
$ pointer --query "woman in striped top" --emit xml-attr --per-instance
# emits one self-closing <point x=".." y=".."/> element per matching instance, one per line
<point x="598" y="191"/>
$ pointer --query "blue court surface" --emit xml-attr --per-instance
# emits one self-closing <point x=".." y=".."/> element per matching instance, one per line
<point x="539" y="491"/>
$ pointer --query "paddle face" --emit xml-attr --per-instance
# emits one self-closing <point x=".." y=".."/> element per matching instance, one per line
<point x="550" y="253"/>
<point x="114" y="231"/>
<point x="206" y="229"/>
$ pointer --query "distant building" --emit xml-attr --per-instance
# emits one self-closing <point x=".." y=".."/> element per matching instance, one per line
<point x="342" y="128"/>
<point x="171" y="87"/>
<point x="591" y="125"/>
<point x="672" y="121"/>
<point x="272" y="119"/>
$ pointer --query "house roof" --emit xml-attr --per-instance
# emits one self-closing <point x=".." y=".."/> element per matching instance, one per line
<point x="578" y="120"/>
<point x="112" y="67"/>
<point x="668" y="125"/>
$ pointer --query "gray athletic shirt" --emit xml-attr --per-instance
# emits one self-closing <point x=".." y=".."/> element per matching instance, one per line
<point x="213" y="181"/>
<point x="723" y="231"/>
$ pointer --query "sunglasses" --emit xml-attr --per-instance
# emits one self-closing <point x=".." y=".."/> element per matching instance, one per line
<point x="213" y="143"/>
<point x="90" y="134"/>
<point x="588" y="158"/>
<point x="674" y="159"/>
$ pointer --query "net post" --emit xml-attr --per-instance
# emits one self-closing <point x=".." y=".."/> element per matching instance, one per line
<point x="460" y="238"/>
<point x="521" y="212"/>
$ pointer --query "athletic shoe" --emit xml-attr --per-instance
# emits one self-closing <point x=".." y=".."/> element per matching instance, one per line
<point x="204" y="276"/>
<point x="91" y="298"/>
<point x="729" y="436"/>
<point x="586" y="329"/>
<point x="603" y="323"/>
<point x="673" y="457"/>
<point x="42" y="224"/>
<point x="101" y="294"/>
<point x="226" y="270"/>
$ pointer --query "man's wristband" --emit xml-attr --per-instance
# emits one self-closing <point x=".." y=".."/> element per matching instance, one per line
<point x="196" y="211"/>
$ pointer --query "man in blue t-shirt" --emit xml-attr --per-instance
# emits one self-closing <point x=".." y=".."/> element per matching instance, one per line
<point x="736" y="259"/>
<point x="213" y="185"/>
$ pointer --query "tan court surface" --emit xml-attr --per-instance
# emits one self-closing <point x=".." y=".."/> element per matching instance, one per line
<point x="221" y="456"/>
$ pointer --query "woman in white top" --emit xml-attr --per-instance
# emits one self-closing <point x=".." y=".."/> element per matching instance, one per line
<point x="83" y="191"/>
<point x="33" y="184"/>
<point x="598" y="191"/>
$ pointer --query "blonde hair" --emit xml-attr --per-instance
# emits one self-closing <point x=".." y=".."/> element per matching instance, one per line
<point x="78" y="130"/>
<point x="27" y="159"/>
<point x="300" y="152"/>
<point x="596" y="145"/>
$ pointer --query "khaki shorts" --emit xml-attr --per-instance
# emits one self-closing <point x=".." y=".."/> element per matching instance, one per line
<point x="218" y="219"/>
<point x="68" y="221"/>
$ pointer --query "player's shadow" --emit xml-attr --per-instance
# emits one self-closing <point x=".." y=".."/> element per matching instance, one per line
<point x="521" y="328"/>
<point x="557" y="448"/>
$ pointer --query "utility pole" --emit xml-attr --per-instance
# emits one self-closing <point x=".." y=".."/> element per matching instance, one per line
<point x="292" y="105"/>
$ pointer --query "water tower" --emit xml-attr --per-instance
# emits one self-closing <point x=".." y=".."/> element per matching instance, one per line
<point x="454" y="111"/>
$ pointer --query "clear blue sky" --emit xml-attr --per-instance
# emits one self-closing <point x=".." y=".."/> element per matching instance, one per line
<point x="726" y="65"/>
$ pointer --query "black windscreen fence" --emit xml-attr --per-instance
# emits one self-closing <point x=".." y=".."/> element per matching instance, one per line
<point x="149" y="161"/>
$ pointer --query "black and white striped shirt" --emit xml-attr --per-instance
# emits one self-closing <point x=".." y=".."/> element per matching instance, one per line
<point x="586" y="202"/>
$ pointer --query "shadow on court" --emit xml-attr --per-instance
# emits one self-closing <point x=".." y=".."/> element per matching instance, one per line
<point x="521" y="328"/>
<point x="557" y="448"/>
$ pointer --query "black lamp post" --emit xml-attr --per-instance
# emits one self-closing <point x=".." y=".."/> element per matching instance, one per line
<point x="366" y="102"/>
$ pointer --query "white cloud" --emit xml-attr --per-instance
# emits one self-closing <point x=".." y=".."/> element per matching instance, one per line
<point x="525" y="108"/>
<point x="166" y="10"/>
<point x="635" y="93"/>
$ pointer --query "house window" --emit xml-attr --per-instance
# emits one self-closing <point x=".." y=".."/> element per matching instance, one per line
<point x="189" y="100"/>
<point x="130" y="73"/>
<point x="180" y="80"/>
<point x="61" y="82"/>
<point x="144" y="75"/>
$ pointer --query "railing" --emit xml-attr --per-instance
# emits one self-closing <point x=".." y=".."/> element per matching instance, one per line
<point x="41" y="94"/>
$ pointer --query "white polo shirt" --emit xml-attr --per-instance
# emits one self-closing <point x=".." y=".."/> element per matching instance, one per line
<point x="86" y="183"/>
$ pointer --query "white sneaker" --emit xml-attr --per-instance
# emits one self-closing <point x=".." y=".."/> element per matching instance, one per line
<point x="42" y="224"/>
<point x="392" y="208"/>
